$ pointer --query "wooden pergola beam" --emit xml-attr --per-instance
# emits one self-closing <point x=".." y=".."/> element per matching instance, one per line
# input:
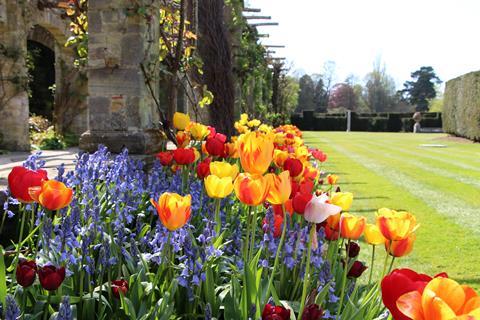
<point x="274" y="46"/>
<point x="257" y="17"/>
<point x="260" y="24"/>
<point x="251" y="10"/>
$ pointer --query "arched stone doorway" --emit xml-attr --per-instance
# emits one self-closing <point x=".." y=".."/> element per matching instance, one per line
<point x="41" y="69"/>
<point x="23" y="28"/>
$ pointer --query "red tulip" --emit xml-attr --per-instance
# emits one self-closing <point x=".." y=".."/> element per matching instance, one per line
<point x="319" y="155"/>
<point x="277" y="225"/>
<point x="203" y="168"/>
<point x="300" y="200"/>
<point x="184" y="156"/>
<point x="119" y="286"/>
<point x="312" y="312"/>
<point x="275" y="313"/>
<point x="165" y="158"/>
<point x="51" y="277"/>
<point x="293" y="165"/>
<point x="20" y="179"/>
<point x="399" y="282"/>
<point x="26" y="272"/>
<point x="356" y="269"/>
<point x="215" y="145"/>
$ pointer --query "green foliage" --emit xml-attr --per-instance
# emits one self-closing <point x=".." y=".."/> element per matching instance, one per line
<point x="307" y="93"/>
<point x="422" y="89"/>
<point x="380" y="89"/>
<point x="435" y="105"/>
<point x="462" y="106"/>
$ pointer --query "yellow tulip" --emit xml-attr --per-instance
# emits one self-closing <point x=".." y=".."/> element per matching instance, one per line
<point x="255" y="151"/>
<point x="223" y="169"/>
<point x="279" y="157"/>
<point x="218" y="187"/>
<point x="343" y="200"/>
<point x="373" y="235"/>
<point x="173" y="210"/>
<point x="280" y="187"/>
<point x="180" y="120"/>
<point x="198" y="131"/>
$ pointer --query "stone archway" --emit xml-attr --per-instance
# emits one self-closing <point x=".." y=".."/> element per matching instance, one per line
<point x="18" y="24"/>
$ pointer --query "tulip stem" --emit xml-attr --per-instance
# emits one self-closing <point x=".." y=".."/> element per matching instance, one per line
<point x="391" y="265"/>
<point x="306" y="278"/>
<point x="371" y="265"/>
<point x="252" y="236"/>
<point x="344" y="281"/>
<point x="218" y="221"/>
<point x="275" y="263"/>
<point x="3" y="221"/>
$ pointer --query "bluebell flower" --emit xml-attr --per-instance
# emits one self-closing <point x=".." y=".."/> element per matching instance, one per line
<point x="12" y="311"/>
<point x="65" y="311"/>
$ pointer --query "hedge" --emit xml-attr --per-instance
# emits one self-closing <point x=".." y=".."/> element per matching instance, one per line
<point x="462" y="106"/>
<point x="376" y="122"/>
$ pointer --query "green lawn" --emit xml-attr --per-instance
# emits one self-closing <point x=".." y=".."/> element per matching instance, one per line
<point x="441" y="186"/>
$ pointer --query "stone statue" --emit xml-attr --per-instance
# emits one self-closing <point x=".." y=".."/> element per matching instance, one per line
<point x="417" y="117"/>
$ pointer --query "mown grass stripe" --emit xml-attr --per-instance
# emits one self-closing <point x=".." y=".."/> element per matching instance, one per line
<point x="430" y="168"/>
<point x="451" y="207"/>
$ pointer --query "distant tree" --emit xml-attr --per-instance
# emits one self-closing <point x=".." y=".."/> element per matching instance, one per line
<point x="343" y="96"/>
<point x="305" y="95"/>
<point x="380" y="91"/>
<point x="320" y="96"/>
<point x="422" y="89"/>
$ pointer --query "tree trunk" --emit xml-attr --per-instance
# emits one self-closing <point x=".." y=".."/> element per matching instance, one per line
<point x="172" y="96"/>
<point x="214" y="47"/>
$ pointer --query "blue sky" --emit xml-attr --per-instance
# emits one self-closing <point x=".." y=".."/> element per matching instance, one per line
<point x="405" y="34"/>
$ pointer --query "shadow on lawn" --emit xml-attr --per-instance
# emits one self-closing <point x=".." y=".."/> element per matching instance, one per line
<point x="373" y="197"/>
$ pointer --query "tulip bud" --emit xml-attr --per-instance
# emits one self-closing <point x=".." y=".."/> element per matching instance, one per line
<point x="356" y="270"/>
<point x="51" y="277"/>
<point x="119" y="286"/>
<point x="312" y="312"/>
<point x="271" y="312"/>
<point x="26" y="272"/>
<point x="353" y="249"/>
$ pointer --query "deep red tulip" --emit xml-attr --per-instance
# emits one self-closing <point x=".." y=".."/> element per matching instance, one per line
<point x="275" y="313"/>
<point x="312" y="312"/>
<point x="293" y="165"/>
<point x="184" y="156"/>
<point x="26" y="272"/>
<point x="165" y="158"/>
<point x="203" y="168"/>
<point x="119" y="286"/>
<point x="353" y="249"/>
<point x="356" y="269"/>
<point x="20" y="179"/>
<point x="399" y="282"/>
<point x="215" y="145"/>
<point x="51" y="277"/>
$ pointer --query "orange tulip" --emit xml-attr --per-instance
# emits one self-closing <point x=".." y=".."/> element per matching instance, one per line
<point x="332" y="179"/>
<point x="373" y="235"/>
<point x="280" y="187"/>
<point x="395" y="225"/>
<point x="250" y="189"/>
<point x="402" y="247"/>
<point x="351" y="227"/>
<point x="255" y="151"/>
<point x="52" y="195"/>
<point x="334" y="221"/>
<point x="173" y="210"/>
<point x="442" y="299"/>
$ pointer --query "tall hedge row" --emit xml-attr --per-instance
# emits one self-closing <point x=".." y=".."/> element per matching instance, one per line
<point x="375" y="122"/>
<point x="461" y="108"/>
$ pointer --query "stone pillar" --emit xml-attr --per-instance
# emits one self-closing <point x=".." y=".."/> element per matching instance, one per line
<point x="121" y="110"/>
<point x="13" y="78"/>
